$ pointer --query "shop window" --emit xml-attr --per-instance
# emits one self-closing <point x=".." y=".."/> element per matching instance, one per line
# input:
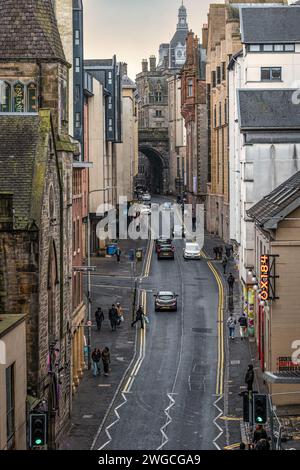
<point x="5" y="97"/>
<point x="31" y="98"/>
<point x="19" y="98"/>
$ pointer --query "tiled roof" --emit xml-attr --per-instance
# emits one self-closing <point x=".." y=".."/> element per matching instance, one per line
<point x="98" y="62"/>
<point x="20" y="141"/>
<point x="270" y="24"/>
<point x="28" y="30"/>
<point x="268" y="109"/>
<point x="277" y="201"/>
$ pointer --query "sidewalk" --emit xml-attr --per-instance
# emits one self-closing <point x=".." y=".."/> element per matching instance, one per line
<point x="238" y="354"/>
<point x="94" y="394"/>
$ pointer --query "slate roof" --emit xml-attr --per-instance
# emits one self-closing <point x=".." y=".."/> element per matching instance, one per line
<point x="28" y="30"/>
<point x="285" y="196"/>
<point x="98" y="62"/>
<point x="20" y="142"/>
<point x="268" y="109"/>
<point x="270" y="24"/>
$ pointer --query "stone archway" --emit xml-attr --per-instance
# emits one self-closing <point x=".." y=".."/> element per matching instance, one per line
<point x="159" y="169"/>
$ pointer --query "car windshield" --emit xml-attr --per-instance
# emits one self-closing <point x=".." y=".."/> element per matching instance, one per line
<point x="192" y="247"/>
<point x="166" y="248"/>
<point x="166" y="297"/>
<point x="164" y="242"/>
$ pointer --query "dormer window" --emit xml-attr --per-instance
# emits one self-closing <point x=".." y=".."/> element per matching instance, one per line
<point x="18" y="97"/>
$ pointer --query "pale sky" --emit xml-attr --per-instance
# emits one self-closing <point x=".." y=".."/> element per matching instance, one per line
<point x="134" y="29"/>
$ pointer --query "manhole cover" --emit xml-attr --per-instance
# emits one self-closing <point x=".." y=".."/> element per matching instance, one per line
<point x="202" y="330"/>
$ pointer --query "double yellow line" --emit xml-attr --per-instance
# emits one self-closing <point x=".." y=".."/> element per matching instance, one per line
<point x="220" y="370"/>
<point x="142" y="341"/>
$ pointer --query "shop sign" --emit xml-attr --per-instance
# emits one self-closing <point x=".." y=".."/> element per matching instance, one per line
<point x="286" y="364"/>
<point x="264" y="277"/>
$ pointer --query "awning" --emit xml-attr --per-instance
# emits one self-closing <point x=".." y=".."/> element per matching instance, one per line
<point x="286" y="377"/>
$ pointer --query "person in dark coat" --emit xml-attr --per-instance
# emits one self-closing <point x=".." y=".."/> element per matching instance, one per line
<point x="96" y="356"/>
<point x="259" y="433"/>
<point x="243" y="326"/>
<point x="224" y="263"/>
<point x="139" y="316"/>
<point x="99" y="316"/>
<point x="249" y="378"/>
<point x="106" y="360"/>
<point x="113" y="317"/>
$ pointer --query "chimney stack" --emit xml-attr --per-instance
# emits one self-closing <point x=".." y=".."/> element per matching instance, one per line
<point x="152" y="63"/>
<point x="124" y="69"/>
<point x="145" y="65"/>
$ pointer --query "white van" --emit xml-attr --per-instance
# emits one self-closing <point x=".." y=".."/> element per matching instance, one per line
<point x="192" y="251"/>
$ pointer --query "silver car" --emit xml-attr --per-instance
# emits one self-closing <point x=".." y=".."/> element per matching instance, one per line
<point x="165" y="300"/>
<point x="192" y="251"/>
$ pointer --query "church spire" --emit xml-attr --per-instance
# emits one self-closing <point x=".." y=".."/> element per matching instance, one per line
<point x="182" y="18"/>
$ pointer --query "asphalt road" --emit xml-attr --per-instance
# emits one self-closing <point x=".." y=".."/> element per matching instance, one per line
<point x="170" y="403"/>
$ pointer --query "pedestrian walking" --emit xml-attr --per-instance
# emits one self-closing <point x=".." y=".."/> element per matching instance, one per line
<point x="228" y="250"/>
<point x="106" y="360"/>
<point x="215" y="250"/>
<point x="231" y="322"/>
<point x="224" y="263"/>
<point x="259" y="433"/>
<point x="113" y="317"/>
<point x="243" y="326"/>
<point x="263" y="444"/>
<point x="249" y="378"/>
<point x="220" y="252"/>
<point x="99" y="316"/>
<point x="139" y="316"/>
<point x="118" y="253"/>
<point x="120" y="313"/>
<point x="230" y="281"/>
<point x="96" y="356"/>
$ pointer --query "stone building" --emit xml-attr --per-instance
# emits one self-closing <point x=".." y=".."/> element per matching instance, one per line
<point x="13" y="382"/>
<point x="194" y="111"/>
<point x="36" y="200"/>
<point x="277" y="257"/>
<point x="224" y="41"/>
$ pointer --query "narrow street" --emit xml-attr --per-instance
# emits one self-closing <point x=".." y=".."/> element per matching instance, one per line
<point x="167" y="399"/>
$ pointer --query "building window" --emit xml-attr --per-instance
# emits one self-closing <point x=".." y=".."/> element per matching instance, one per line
<point x="223" y="71"/>
<point x="77" y="37"/>
<point x="218" y="75"/>
<point x="10" y="406"/>
<point x="220" y="114"/>
<point x="226" y="111"/>
<point x="254" y="48"/>
<point x="158" y="113"/>
<point x="110" y="125"/>
<point x="268" y="47"/>
<point x="77" y="120"/>
<point x="110" y="102"/>
<point x="271" y="74"/>
<point x="5" y="97"/>
<point x="110" y="78"/>
<point x="289" y="47"/>
<point x="6" y="211"/>
<point x="158" y="96"/>
<point x="19" y="98"/>
<point x="77" y="65"/>
<point x="278" y="47"/>
<point x="31" y="98"/>
<point x="213" y="79"/>
<point x="215" y="116"/>
<point x="190" y="88"/>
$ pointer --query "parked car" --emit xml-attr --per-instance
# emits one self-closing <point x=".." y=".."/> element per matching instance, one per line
<point x="166" y="252"/>
<point x="165" y="300"/>
<point x="162" y="241"/>
<point x="192" y="251"/>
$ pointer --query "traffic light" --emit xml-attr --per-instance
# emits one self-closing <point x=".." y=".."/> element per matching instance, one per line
<point x="38" y="429"/>
<point x="259" y="408"/>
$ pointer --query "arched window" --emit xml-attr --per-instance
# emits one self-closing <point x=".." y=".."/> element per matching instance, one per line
<point x="51" y="205"/>
<point x="31" y="98"/>
<point x="5" y="97"/>
<point x="19" y="102"/>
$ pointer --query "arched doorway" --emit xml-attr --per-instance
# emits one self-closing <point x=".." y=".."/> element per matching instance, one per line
<point x="155" y="175"/>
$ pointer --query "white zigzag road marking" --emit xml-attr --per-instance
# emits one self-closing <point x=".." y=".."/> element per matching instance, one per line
<point x="169" y="420"/>
<point x="216" y="424"/>
<point x="115" y="422"/>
